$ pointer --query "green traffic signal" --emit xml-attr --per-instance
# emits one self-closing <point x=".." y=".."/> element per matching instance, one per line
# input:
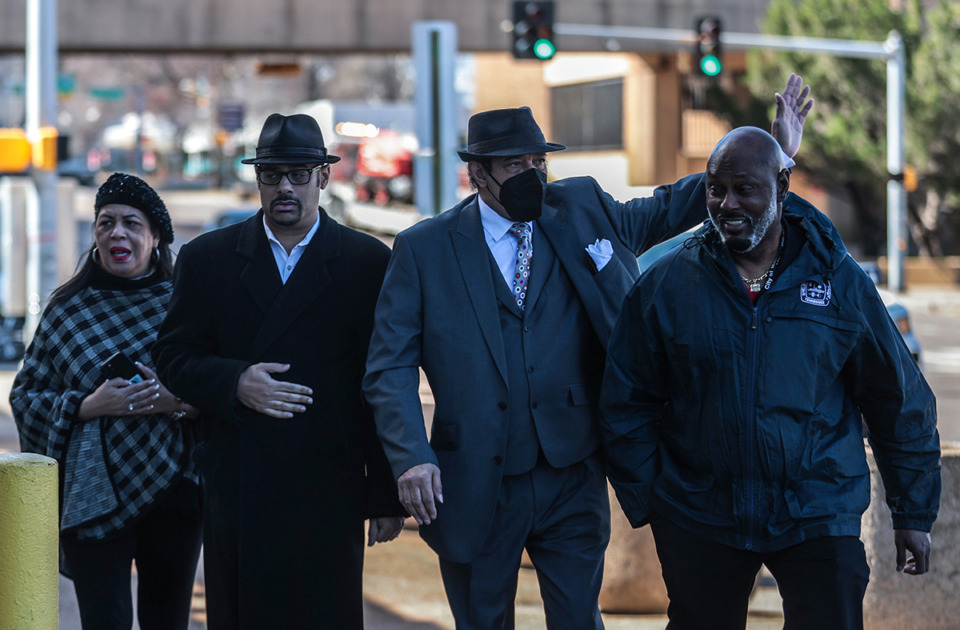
<point x="533" y="29"/>
<point x="710" y="65"/>
<point x="544" y="49"/>
<point x="707" y="47"/>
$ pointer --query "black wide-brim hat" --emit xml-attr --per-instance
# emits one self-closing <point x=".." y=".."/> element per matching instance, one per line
<point x="502" y="132"/>
<point x="292" y="139"/>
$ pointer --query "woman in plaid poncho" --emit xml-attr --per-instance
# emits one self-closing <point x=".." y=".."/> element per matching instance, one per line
<point x="129" y="487"/>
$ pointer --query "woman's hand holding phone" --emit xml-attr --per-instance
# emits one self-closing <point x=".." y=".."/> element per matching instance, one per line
<point x="124" y="392"/>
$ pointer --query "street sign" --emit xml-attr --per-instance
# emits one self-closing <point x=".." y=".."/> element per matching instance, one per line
<point x="108" y="93"/>
<point x="230" y="116"/>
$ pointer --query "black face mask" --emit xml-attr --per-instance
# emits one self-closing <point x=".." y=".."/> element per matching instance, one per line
<point x="522" y="195"/>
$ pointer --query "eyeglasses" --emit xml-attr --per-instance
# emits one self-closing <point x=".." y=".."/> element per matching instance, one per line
<point x="297" y="177"/>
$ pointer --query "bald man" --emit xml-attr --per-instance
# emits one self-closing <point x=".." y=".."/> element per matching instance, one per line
<point x="734" y="428"/>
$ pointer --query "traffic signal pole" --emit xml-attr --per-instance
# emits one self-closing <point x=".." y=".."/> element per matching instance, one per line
<point x="41" y="114"/>
<point x="435" y="164"/>
<point x="891" y="51"/>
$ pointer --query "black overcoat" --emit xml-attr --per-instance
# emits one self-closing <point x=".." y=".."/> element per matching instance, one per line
<point x="285" y="500"/>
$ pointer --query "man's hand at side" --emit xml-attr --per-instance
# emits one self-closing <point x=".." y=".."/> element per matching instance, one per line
<point x="917" y="543"/>
<point x="258" y="390"/>
<point x="420" y="490"/>
<point x="384" y="529"/>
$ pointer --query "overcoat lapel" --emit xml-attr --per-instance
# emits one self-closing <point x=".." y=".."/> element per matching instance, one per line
<point x="571" y="254"/>
<point x="473" y="258"/>
<point x="303" y="287"/>
<point x="259" y="275"/>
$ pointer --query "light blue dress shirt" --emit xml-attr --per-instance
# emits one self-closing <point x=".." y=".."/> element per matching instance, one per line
<point x="502" y="244"/>
<point x="286" y="262"/>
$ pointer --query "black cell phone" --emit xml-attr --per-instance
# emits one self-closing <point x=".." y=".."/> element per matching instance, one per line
<point x="120" y="365"/>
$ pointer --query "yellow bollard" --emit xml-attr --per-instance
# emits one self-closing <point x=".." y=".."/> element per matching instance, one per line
<point x="29" y="541"/>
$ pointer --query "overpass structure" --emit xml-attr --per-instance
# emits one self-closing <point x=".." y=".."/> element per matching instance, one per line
<point x="356" y="26"/>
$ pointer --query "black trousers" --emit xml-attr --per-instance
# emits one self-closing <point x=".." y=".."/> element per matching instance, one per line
<point x="165" y="544"/>
<point x="822" y="581"/>
<point x="562" y="518"/>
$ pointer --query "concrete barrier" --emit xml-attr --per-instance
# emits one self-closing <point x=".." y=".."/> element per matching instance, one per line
<point x="943" y="271"/>
<point x="632" y="579"/>
<point x="895" y="600"/>
<point x="29" y="540"/>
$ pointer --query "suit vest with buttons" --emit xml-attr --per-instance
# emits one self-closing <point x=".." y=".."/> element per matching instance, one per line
<point x="552" y="356"/>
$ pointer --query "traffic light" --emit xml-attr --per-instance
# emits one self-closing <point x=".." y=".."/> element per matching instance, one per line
<point x="709" y="59"/>
<point x="14" y="151"/>
<point x="910" y="179"/>
<point x="533" y="30"/>
<point x="45" y="149"/>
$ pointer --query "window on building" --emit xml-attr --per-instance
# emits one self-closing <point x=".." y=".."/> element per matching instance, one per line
<point x="588" y="116"/>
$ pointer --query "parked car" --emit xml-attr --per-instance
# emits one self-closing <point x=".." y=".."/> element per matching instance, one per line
<point x="229" y="216"/>
<point x="897" y="311"/>
<point x="11" y="339"/>
<point x="901" y="317"/>
<point x="76" y="168"/>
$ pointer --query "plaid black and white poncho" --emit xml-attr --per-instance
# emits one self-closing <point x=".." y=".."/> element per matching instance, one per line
<point x="113" y="468"/>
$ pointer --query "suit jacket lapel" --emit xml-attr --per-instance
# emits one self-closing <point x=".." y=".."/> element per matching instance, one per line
<point x="303" y="287"/>
<point x="571" y="255"/>
<point x="541" y="268"/>
<point x="473" y="257"/>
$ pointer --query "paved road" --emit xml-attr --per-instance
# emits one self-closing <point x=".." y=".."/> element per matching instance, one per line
<point x="935" y="314"/>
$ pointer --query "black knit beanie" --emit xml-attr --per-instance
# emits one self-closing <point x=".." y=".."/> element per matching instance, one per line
<point x="130" y="190"/>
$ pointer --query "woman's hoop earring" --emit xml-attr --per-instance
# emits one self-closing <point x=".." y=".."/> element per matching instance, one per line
<point x="155" y="256"/>
<point x="96" y="256"/>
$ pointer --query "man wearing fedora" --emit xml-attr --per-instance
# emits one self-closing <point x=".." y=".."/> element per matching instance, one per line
<point x="507" y="301"/>
<point x="267" y="334"/>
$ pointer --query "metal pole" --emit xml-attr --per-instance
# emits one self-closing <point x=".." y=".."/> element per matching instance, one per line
<point x="435" y="165"/>
<point x="683" y="37"/>
<point x="41" y="56"/>
<point x="896" y="194"/>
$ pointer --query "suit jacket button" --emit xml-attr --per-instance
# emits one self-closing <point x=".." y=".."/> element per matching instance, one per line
<point x="502" y="406"/>
<point x="497" y="460"/>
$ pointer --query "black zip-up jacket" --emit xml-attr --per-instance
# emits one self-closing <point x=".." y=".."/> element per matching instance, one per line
<point x="742" y="422"/>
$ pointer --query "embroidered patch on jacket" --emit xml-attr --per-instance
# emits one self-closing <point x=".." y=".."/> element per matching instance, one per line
<point x="816" y="293"/>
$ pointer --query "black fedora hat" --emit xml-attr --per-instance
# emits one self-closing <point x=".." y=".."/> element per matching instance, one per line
<point x="501" y="132"/>
<point x="294" y="139"/>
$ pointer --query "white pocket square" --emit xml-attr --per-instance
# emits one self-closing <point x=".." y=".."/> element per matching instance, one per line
<point x="601" y="251"/>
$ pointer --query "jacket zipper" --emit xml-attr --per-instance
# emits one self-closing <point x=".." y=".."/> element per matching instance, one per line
<point x="750" y="410"/>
